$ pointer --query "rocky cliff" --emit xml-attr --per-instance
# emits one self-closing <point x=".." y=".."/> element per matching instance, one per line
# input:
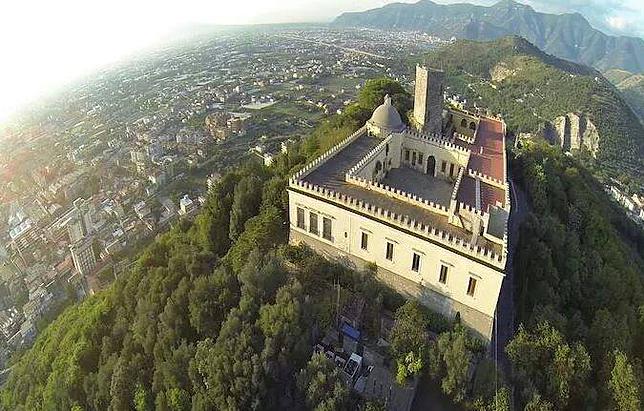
<point x="575" y="131"/>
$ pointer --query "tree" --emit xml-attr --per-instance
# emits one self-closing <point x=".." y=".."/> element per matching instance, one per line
<point x="374" y="405"/>
<point x="211" y="228"/>
<point x="537" y="403"/>
<point x="409" y="332"/>
<point x="262" y="275"/>
<point x="320" y="385"/>
<point x="501" y="401"/>
<point x="228" y="373"/>
<point x="141" y="399"/>
<point x="274" y="194"/>
<point x="407" y="367"/>
<point x="623" y="384"/>
<point x="286" y="343"/>
<point x="211" y="298"/>
<point x="373" y="93"/>
<point x="450" y="359"/>
<point x="246" y="202"/>
<point x="262" y="233"/>
<point x="544" y="361"/>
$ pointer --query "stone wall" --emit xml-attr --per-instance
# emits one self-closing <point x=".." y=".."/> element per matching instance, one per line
<point x="348" y="228"/>
<point x="480" y="323"/>
<point x="456" y="117"/>
<point x="428" y="100"/>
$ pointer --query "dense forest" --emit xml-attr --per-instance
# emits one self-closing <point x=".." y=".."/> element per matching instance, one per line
<point x="537" y="88"/>
<point x="579" y="290"/>
<point x="221" y="313"/>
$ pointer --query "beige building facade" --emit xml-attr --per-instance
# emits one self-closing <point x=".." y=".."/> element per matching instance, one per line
<point x="429" y="210"/>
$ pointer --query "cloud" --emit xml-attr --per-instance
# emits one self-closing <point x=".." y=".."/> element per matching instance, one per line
<point x="617" y="22"/>
<point x="621" y="17"/>
<point x="617" y="17"/>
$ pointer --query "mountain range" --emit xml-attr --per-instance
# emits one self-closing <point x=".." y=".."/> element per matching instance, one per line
<point x="567" y="36"/>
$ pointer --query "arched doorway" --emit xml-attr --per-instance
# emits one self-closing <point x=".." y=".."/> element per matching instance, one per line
<point x="431" y="165"/>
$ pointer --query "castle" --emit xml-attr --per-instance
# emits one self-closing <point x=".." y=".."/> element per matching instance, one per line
<point x="429" y="205"/>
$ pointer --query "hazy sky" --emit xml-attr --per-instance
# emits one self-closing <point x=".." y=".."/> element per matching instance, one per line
<point x="46" y="43"/>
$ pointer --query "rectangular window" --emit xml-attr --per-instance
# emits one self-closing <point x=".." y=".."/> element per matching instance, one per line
<point x="390" y="251"/>
<point x="451" y="169"/>
<point x="406" y="155"/>
<point x="313" y="224"/>
<point x="420" y="158"/>
<point x="415" y="263"/>
<point x="443" y="166"/>
<point x="413" y="158"/>
<point x="326" y="228"/>
<point x="364" y="241"/>
<point x="442" y="278"/>
<point x="471" y="287"/>
<point x="300" y="218"/>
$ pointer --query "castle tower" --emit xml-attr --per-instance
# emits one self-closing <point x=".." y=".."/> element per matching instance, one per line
<point x="428" y="99"/>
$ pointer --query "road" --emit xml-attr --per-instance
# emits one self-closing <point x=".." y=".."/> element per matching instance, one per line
<point x="505" y="312"/>
<point x="349" y="50"/>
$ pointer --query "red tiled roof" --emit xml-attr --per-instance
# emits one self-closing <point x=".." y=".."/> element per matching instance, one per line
<point x="487" y="150"/>
<point x="467" y="191"/>
<point x="490" y="195"/>
<point x="486" y="158"/>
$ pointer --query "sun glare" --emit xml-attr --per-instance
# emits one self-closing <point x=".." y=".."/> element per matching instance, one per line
<point x="46" y="44"/>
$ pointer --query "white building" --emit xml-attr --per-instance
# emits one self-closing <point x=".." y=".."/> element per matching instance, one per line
<point x="83" y="256"/>
<point x="186" y="205"/>
<point x="142" y="210"/>
<point x="430" y="211"/>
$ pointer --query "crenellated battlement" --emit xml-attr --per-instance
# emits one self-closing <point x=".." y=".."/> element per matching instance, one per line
<point x="435" y="139"/>
<point x="329" y="153"/>
<point x="487" y="179"/>
<point x="369" y="156"/>
<point x="465" y="138"/>
<point x="447" y="239"/>
<point x="470" y="209"/>
<point x="457" y="184"/>
<point x="397" y="194"/>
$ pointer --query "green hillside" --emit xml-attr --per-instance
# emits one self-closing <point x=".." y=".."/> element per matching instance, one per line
<point x="530" y="89"/>
<point x="579" y="290"/>
<point x="631" y="86"/>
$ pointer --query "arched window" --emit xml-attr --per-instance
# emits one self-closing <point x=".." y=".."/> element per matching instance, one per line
<point x="431" y="166"/>
<point x="387" y="149"/>
<point x="376" y="170"/>
<point x="463" y="123"/>
<point x="472" y="126"/>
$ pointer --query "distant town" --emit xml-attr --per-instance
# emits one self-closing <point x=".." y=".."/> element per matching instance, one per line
<point x="93" y="173"/>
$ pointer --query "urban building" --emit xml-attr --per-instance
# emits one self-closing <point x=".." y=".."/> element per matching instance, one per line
<point x="84" y="256"/>
<point x="186" y="205"/>
<point x="430" y="210"/>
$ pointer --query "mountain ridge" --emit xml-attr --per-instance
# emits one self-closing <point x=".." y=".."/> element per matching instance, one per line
<point x="632" y="88"/>
<point x="532" y="89"/>
<point x="569" y="36"/>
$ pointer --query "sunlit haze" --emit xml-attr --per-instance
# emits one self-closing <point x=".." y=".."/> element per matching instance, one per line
<point x="45" y="44"/>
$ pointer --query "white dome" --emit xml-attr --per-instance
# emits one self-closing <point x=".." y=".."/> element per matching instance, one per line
<point x="386" y="116"/>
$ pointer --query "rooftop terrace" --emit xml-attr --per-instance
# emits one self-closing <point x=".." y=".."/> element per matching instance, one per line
<point x="331" y="176"/>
